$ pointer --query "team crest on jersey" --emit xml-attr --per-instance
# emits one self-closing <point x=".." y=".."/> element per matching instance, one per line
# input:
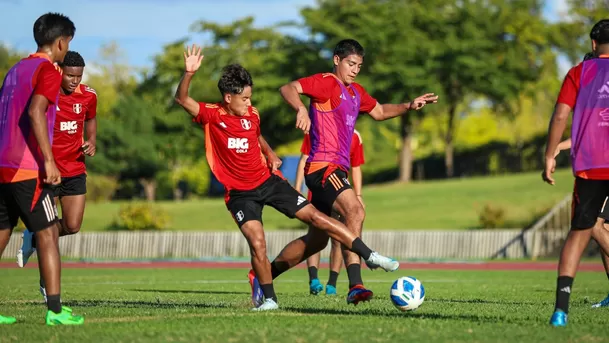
<point x="246" y="124"/>
<point x="77" y="108"/>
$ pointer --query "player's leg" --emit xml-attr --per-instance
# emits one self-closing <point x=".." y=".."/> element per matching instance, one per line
<point x="604" y="257"/>
<point x="288" y="201"/>
<point x="315" y="286"/>
<point x="336" y="262"/>
<point x="247" y="213"/>
<point x="39" y="214"/>
<point x="8" y="220"/>
<point x="72" y="197"/>
<point x="588" y="199"/>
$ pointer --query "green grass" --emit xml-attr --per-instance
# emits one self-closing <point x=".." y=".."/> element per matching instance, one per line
<point x="452" y="204"/>
<point x="206" y="305"/>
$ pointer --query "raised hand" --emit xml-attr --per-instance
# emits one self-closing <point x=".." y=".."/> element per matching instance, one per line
<point x="192" y="58"/>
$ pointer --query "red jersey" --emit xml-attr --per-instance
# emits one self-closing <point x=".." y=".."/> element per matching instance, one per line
<point x="43" y="80"/>
<point x="568" y="96"/>
<point x="326" y="92"/>
<point x="232" y="149"/>
<point x="73" y="110"/>
<point x="356" y="152"/>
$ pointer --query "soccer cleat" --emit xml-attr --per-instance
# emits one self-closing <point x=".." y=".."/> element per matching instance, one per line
<point x="559" y="319"/>
<point x="64" y="318"/>
<point x="7" y="320"/>
<point x="330" y="290"/>
<point x="315" y="287"/>
<point x="602" y="303"/>
<point x="267" y="305"/>
<point x="43" y="291"/>
<point x="358" y="293"/>
<point x="376" y="260"/>
<point x="257" y="295"/>
<point x="27" y="249"/>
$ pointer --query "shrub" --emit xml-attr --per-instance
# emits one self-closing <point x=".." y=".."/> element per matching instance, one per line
<point x="100" y="187"/>
<point x="491" y="216"/>
<point x="137" y="217"/>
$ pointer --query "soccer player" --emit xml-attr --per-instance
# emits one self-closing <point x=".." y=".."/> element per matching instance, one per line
<point x="336" y="101"/>
<point x="336" y="260"/>
<point x="586" y="92"/>
<point x="234" y="153"/>
<point x="76" y="114"/>
<point x="28" y="100"/>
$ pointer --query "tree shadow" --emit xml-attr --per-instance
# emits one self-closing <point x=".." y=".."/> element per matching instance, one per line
<point x="186" y="291"/>
<point x="484" y="301"/>
<point x="142" y="304"/>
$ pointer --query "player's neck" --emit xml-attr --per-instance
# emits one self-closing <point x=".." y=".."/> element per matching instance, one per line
<point x="64" y="91"/>
<point x="225" y="107"/>
<point x="47" y="51"/>
<point x="338" y="77"/>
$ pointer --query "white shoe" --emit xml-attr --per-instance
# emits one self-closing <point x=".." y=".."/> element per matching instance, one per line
<point x="43" y="291"/>
<point x="376" y="260"/>
<point x="267" y="305"/>
<point x="26" y="251"/>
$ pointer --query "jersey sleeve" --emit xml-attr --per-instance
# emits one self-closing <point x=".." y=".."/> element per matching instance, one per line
<point x="357" y="151"/>
<point x="47" y="82"/>
<point x="305" y="148"/>
<point x="92" y="108"/>
<point x="367" y="101"/>
<point x="570" y="86"/>
<point x="206" y="111"/>
<point x="318" y="87"/>
<point x="257" y="114"/>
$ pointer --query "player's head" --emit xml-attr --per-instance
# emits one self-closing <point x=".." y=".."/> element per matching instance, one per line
<point x="600" y="37"/>
<point x="53" y="33"/>
<point x="72" y="68"/>
<point x="348" y="59"/>
<point x="235" y="84"/>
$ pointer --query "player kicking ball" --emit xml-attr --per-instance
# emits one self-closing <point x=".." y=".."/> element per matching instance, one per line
<point x="234" y="154"/>
<point x="76" y="114"/>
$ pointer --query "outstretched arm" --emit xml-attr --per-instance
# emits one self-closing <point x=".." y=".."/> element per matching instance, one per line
<point x="388" y="111"/>
<point x="192" y="62"/>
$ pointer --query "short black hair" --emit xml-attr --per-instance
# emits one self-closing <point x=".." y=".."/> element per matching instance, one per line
<point x="234" y="79"/>
<point x="589" y="56"/>
<point x="600" y="32"/>
<point x="348" y="47"/>
<point x="72" y="59"/>
<point x="52" y="26"/>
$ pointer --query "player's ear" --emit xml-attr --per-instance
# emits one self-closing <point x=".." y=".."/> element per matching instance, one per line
<point x="227" y="98"/>
<point x="336" y="60"/>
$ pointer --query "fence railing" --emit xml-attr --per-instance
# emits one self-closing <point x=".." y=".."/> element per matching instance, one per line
<point x="437" y="244"/>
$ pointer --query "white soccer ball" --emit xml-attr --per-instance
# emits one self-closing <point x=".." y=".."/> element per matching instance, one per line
<point x="407" y="293"/>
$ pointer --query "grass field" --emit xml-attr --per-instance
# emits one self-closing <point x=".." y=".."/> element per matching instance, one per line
<point x="212" y="305"/>
<point x="452" y="204"/>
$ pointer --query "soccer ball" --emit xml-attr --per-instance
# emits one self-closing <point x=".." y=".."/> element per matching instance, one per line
<point x="407" y="293"/>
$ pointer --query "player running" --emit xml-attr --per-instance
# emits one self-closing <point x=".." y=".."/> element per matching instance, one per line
<point x="233" y="151"/>
<point x="28" y="100"/>
<point x="336" y="101"/>
<point x="586" y="92"/>
<point x="76" y="114"/>
<point x="336" y="260"/>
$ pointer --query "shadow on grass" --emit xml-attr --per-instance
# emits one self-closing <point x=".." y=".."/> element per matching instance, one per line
<point x="141" y="304"/>
<point x="186" y="291"/>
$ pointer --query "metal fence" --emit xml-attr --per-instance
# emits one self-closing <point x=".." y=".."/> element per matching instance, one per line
<point x="428" y="244"/>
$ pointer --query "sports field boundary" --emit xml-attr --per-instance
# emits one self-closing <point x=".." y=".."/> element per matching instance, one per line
<point x="485" y="265"/>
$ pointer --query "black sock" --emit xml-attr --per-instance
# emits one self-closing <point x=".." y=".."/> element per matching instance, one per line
<point x="354" y="272"/>
<point x="278" y="268"/>
<point x="269" y="291"/>
<point x="563" y="292"/>
<point x="607" y="275"/>
<point x="360" y="248"/>
<point x="34" y="241"/>
<point x="333" y="278"/>
<point x="54" y="303"/>
<point x="41" y="283"/>
<point x="312" y="273"/>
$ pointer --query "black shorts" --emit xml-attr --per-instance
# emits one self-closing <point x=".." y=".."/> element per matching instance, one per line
<point x="275" y="192"/>
<point x="73" y="185"/>
<point x="326" y="188"/>
<point x="605" y="210"/>
<point x="30" y="200"/>
<point x="588" y="200"/>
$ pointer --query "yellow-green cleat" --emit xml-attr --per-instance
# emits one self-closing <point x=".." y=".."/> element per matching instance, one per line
<point x="64" y="318"/>
<point x="7" y="320"/>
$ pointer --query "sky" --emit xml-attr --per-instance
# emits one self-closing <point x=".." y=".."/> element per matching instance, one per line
<point x="142" y="27"/>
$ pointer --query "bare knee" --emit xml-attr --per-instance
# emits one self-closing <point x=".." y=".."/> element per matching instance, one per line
<point x="335" y="244"/>
<point x="71" y="227"/>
